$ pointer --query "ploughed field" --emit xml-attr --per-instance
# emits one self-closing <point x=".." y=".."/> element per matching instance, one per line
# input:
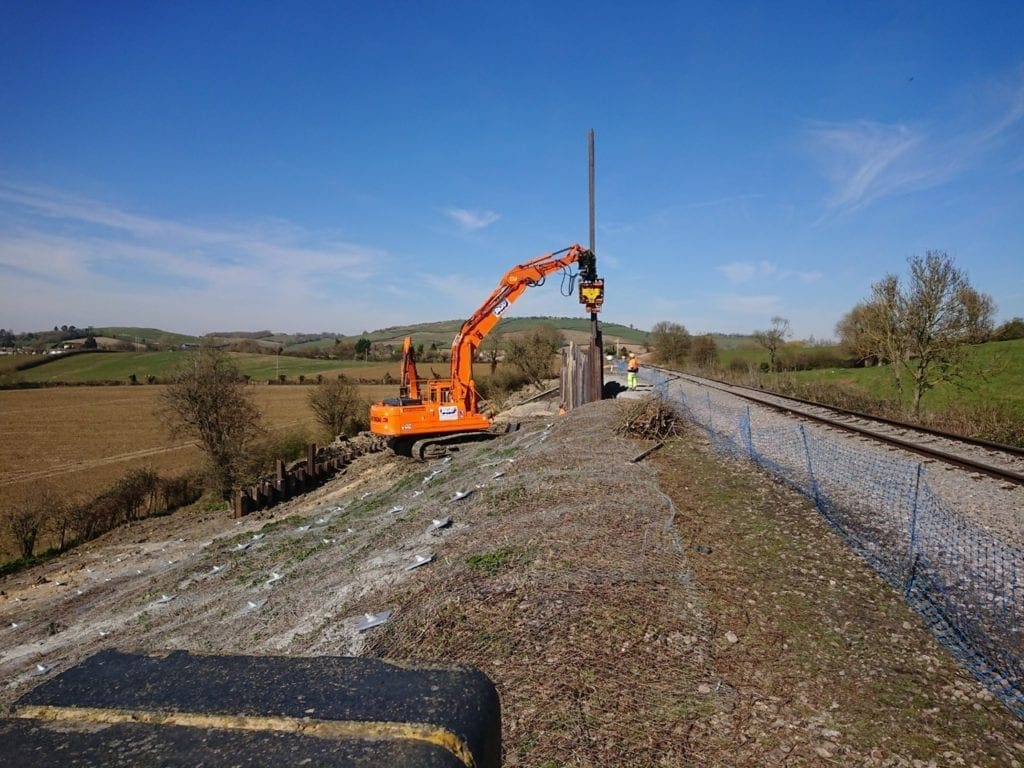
<point x="77" y="441"/>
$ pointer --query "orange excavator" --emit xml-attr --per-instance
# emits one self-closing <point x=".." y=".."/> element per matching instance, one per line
<point x="428" y="414"/>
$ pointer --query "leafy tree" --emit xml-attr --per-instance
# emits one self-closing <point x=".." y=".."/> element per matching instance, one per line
<point x="339" y="408"/>
<point x="704" y="352"/>
<point x="207" y="400"/>
<point x="773" y="338"/>
<point x="89" y="343"/>
<point x="670" y="342"/>
<point x="534" y="352"/>
<point x="363" y="347"/>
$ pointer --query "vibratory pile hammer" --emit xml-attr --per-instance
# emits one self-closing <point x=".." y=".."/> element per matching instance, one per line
<point x="429" y="412"/>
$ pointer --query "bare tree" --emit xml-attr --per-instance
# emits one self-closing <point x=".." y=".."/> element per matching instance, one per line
<point x="534" y="352"/>
<point x="338" y="407"/>
<point x="60" y="522"/>
<point x="980" y="312"/>
<point x="207" y="400"/>
<point x="943" y="313"/>
<point x="492" y="351"/>
<point x="920" y="330"/>
<point x="671" y="342"/>
<point x="26" y="523"/>
<point x="704" y="352"/>
<point x="874" y="331"/>
<point x="773" y="338"/>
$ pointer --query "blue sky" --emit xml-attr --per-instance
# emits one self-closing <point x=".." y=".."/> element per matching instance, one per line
<point x="348" y="166"/>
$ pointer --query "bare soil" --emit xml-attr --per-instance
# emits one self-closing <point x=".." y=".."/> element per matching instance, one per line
<point x="78" y="441"/>
<point x="677" y="611"/>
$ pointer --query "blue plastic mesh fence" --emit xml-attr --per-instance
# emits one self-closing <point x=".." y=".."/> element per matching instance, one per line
<point x="965" y="581"/>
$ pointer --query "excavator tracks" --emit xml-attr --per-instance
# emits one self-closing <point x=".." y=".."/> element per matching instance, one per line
<point x="430" y="448"/>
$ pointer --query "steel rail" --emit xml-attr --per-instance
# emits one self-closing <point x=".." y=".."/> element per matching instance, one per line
<point x="990" y="444"/>
<point x="999" y="473"/>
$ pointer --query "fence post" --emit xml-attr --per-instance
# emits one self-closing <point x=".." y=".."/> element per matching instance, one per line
<point x="748" y="434"/>
<point x="912" y="532"/>
<point x="311" y="461"/>
<point x="810" y="469"/>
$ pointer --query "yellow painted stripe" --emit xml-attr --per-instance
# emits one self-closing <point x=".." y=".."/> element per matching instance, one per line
<point x="323" y="729"/>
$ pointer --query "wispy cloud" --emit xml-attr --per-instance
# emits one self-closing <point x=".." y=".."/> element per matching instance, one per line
<point x="61" y="244"/>
<point x="471" y="221"/>
<point x="865" y="161"/>
<point x="748" y="271"/>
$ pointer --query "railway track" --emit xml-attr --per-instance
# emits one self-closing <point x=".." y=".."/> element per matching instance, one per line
<point x="1003" y="462"/>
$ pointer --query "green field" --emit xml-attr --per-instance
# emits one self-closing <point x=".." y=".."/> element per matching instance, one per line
<point x="996" y="376"/>
<point x="748" y="353"/>
<point x="9" y="362"/>
<point x="119" y="366"/>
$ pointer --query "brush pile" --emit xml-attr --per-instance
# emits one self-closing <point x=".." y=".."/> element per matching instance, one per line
<point x="653" y="418"/>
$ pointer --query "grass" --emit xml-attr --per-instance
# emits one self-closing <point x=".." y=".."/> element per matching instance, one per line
<point x="493" y="561"/>
<point x="996" y="376"/>
<point x="119" y="366"/>
<point x="748" y="354"/>
<point x="825" y="654"/>
<point x="10" y="362"/>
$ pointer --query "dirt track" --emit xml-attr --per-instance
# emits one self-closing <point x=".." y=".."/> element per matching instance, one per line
<point x="665" y="613"/>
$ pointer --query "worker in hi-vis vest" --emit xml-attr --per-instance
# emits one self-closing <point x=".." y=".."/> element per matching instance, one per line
<point x="631" y="368"/>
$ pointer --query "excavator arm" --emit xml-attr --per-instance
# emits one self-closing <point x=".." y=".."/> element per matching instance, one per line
<point x="511" y="287"/>
<point x="410" y="385"/>
<point x="424" y="417"/>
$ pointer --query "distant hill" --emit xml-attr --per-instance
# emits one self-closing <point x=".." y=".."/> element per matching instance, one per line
<point x="440" y="333"/>
<point x="145" y="336"/>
